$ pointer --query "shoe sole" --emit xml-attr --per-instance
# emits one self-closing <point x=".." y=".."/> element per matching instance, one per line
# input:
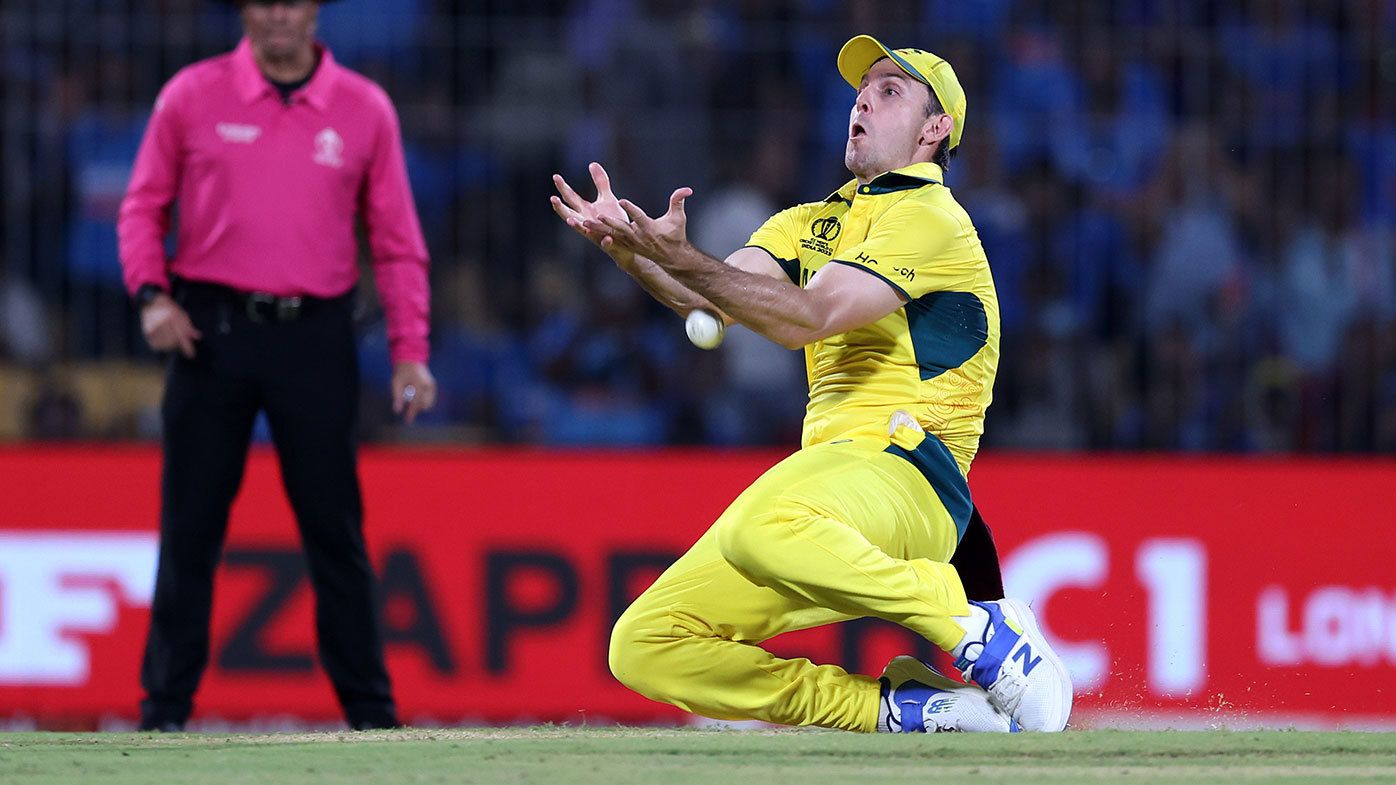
<point x="904" y="668"/>
<point x="1061" y="709"/>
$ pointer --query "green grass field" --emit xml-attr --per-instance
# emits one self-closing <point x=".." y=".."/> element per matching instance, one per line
<point x="617" y="756"/>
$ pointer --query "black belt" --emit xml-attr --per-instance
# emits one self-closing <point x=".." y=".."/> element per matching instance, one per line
<point x="260" y="307"/>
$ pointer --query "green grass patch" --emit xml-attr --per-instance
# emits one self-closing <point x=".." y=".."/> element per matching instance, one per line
<point x="619" y="756"/>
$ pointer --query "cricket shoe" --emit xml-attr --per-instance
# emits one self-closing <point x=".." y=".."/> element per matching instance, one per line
<point x="1013" y="662"/>
<point x="917" y="699"/>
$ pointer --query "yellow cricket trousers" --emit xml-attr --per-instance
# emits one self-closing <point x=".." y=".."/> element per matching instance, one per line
<point x="834" y="532"/>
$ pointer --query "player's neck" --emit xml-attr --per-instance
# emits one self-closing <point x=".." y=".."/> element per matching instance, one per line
<point x="866" y="177"/>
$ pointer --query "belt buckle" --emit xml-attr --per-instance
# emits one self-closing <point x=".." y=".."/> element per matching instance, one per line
<point x="288" y="308"/>
<point x="257" y="302"/>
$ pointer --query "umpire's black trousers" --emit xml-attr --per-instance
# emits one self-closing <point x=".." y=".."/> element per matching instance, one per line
<point x="300" y="367"/>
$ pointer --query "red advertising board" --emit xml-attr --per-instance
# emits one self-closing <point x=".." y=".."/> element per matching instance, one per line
<point x="1182" y="592"/>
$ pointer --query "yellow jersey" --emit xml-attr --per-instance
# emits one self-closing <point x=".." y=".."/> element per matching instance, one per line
<point x="936" y="356"/>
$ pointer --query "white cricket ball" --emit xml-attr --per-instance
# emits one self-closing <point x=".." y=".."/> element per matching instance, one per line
<point x="704" y="330"/>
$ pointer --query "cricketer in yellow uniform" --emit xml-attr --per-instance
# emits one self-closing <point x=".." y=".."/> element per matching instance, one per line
<point x="936" y="357"/>
<point x="857" y="522"/>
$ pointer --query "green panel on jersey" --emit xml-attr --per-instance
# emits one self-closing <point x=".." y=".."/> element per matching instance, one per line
<point x="947" y="328"/>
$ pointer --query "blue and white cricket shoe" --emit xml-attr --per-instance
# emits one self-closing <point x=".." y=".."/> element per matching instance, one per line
<point x="917" y="699"/>
<point x="1013" y="662"/>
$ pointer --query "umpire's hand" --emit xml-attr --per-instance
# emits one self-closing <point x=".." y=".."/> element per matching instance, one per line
<point x="167" y="326"/>
<point x="414" y="389"/>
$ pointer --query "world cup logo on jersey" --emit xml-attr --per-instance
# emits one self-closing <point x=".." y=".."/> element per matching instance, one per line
<point x="826" y="229"/>
<point x="329" y="148"/>
<point x="823" y="232"/>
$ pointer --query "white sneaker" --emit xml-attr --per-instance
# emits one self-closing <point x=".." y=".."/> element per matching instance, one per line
<point x="917" y="699"/>
<point x="1012" y="661"/>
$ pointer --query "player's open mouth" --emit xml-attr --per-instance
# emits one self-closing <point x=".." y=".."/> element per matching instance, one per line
<point x="856" y="131"/>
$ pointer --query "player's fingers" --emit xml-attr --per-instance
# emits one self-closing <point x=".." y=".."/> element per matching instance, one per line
<point x="567" y="214"/>
<point x="595" y="225"/>
<point x="599" y="238"/>
<point x="569" y="196"/>
<point x="594" y="228"/>
<point x="602" y="180"/>
<point x="633" y="210"/>
<point x="580" y="228"/>
<point x="574" y="220"/>
<point x="676" y="200"/>
<point x="616" y="227"/>
<point x="186" y="346"/>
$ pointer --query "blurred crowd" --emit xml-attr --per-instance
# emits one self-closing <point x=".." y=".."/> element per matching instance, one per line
<point x="1188" y="208"/>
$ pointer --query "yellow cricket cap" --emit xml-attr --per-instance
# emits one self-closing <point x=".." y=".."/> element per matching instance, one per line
<point x="859" y="54"/>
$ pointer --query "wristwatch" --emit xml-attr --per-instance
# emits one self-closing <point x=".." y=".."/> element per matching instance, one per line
<point x="146" y="294"/>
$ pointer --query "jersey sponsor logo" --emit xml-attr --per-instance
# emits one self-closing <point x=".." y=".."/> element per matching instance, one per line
<point x="329" y="148"/>
<point x="238" y="133"/>
<point x="863" y="258"/>
<point x="1024" y="656"/>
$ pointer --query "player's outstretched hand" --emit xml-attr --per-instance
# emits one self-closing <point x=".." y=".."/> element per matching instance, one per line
<point x="576" y="211"/>
<point x="653" y="238"/>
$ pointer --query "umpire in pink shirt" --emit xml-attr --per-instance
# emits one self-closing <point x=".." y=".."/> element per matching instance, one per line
<point x="271" y="153"/>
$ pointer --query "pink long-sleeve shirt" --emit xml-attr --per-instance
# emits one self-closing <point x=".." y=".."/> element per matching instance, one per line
<point x="269" y="191"/>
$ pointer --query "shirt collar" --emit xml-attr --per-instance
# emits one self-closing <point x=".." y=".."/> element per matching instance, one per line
<point x="252" y="84"/>
<point x="925" y="170"/>
<point x="913" y="176"/>
<point x="845" y="193"/>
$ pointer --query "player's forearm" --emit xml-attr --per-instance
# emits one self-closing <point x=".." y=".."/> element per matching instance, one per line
<point x="662" y="286"/>
<point x="776" y="309"/>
